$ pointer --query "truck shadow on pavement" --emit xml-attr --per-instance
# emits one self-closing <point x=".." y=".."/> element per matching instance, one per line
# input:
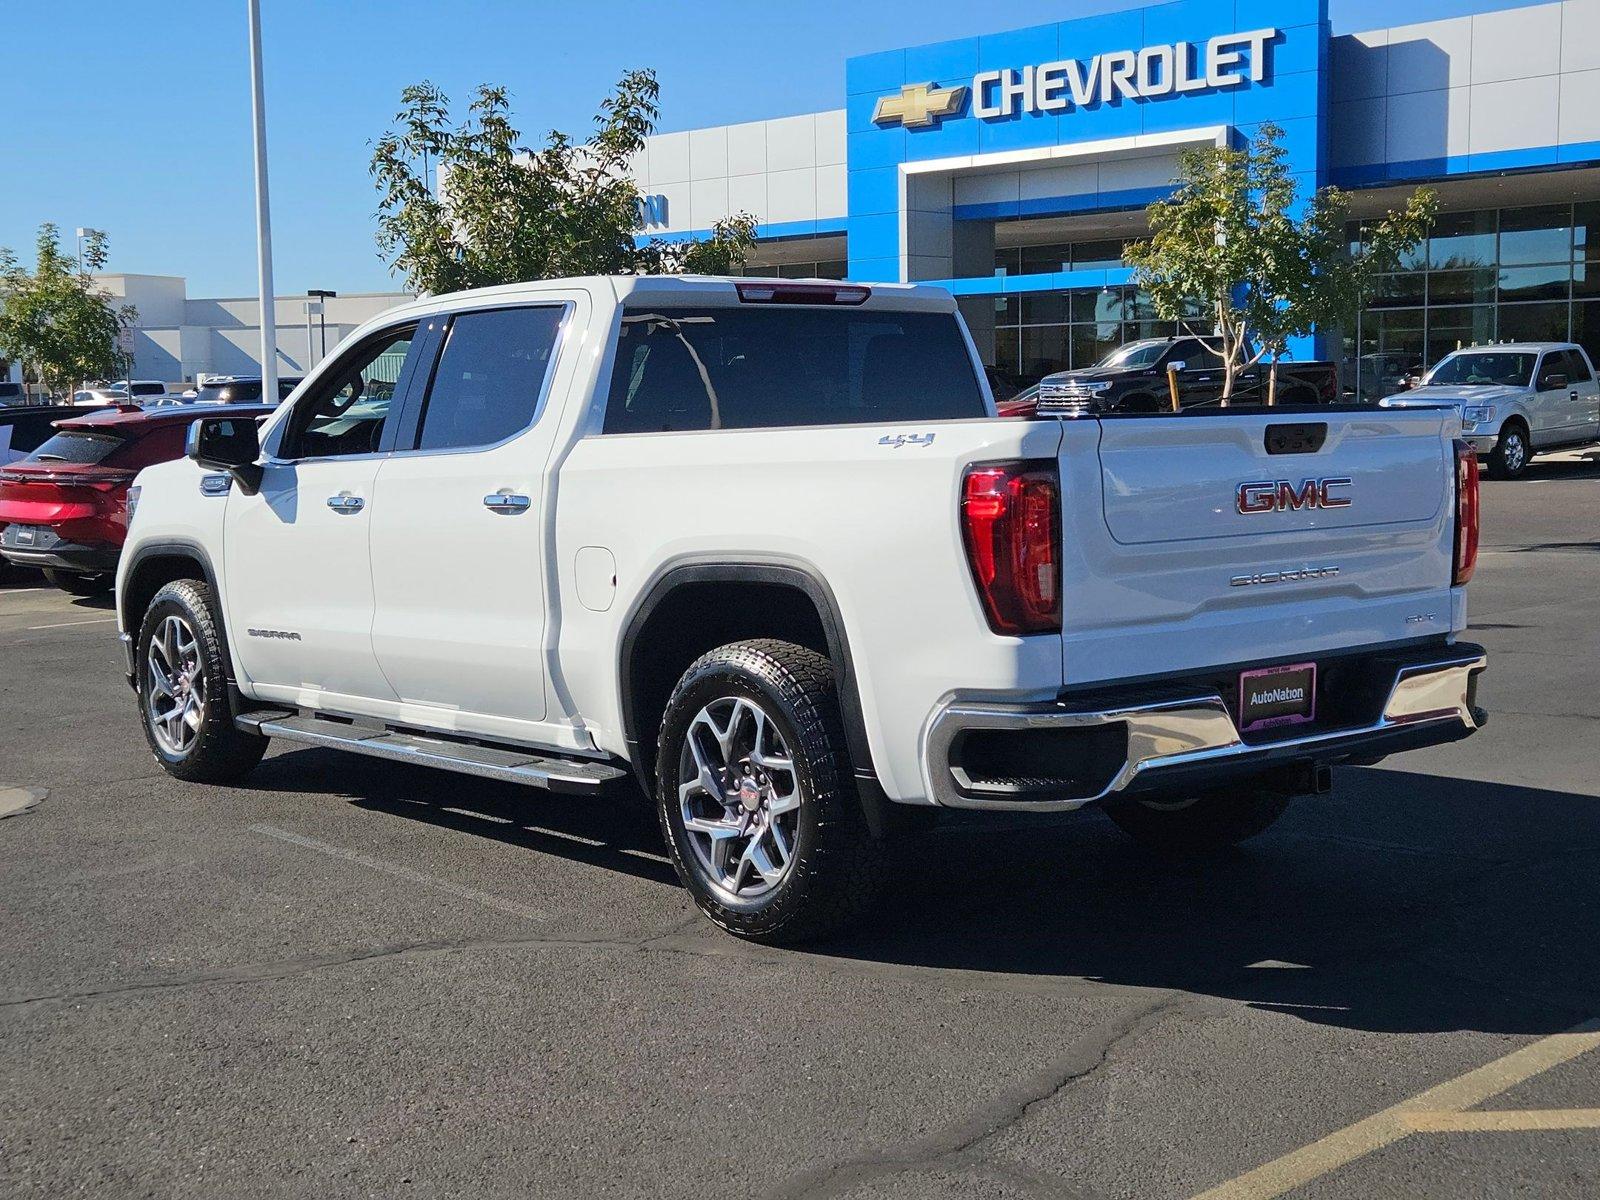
<point x="617" y="833"/>
<point x="1403" y="902"/>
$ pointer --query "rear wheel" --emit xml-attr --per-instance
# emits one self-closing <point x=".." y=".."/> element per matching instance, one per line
<point x="183" y="690"/>
<point x="756" y="797"/>
<point x="1201" y="824"/>
<point x="80" y="583"/>
<point x="1512" y="453"/>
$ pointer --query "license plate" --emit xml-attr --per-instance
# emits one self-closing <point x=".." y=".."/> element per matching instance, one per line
<point x="23" y="535"/>
<point x="1277" y="696"/>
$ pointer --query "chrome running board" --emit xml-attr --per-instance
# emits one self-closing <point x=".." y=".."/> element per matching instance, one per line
<point x="573" y="775"/>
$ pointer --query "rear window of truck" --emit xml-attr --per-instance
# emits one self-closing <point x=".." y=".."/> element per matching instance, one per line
<point x="753" y="368"/>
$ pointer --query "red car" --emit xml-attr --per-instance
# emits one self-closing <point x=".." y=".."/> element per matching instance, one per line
<point x="65" y="507"/>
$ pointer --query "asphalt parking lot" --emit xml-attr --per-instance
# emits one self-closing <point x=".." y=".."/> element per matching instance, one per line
<point x="357" y="978"/>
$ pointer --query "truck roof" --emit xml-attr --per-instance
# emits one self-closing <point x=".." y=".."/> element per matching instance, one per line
<point x="1524" y="347"/>
<point x="716" y="289"/>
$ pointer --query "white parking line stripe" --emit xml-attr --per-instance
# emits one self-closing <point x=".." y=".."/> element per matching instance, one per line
<point x="510" y="907"/>
<point x="68" y="624"/>
<point x="23" y="591"/>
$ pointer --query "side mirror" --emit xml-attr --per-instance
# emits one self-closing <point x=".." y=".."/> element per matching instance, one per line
<point x="230" y="444"/>
<point x="1553" y="381"/>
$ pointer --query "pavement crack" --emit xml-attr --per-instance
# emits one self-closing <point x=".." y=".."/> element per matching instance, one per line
<point x="959" y="1143"/>
<point x="293" y="967"/>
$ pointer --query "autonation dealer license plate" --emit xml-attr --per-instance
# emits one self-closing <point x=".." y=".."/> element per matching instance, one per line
<point x="1277" y="696"/>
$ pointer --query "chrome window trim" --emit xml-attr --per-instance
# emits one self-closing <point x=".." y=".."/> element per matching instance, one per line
<point x="286" y="413"/>
<point x="568" y="307"/>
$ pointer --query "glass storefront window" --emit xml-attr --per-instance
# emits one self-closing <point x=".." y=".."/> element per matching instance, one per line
<point x="1535" y="283"/>
<point x="1399" y="291"/>
<point x="1007" y="261"/>
<point x="1475" y="286"/>
<point x="1092" y="255"/>
<point x="1044" y="349"/>
<point x="1045" y="260"/>
<point x="1462" y="240"/>
<point x="1533" y="323"/>
<point x="1452" y="328"/>
<point x="1536" y="235"/>
<point x="1586" y="328"/>
<point x="1586" y="231"/>
<point x="1585" y="279"/>
<point x="1044" y="308"/>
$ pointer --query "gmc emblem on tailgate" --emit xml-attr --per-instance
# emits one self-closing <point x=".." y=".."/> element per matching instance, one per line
<point x="1279" y="495"/>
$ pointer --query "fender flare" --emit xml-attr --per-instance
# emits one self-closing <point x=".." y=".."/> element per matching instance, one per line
<point x="181" y="548"/>
<point x="801" y="578"/>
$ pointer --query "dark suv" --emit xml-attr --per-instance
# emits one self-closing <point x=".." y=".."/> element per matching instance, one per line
<point x="1133" y="378"/>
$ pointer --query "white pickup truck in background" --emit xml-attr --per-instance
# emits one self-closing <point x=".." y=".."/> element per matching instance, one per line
<point x="762" y="546"/>
<point x="1514" y="400"/>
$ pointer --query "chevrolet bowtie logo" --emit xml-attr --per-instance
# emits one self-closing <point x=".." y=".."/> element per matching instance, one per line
<point x="919" y="105"/>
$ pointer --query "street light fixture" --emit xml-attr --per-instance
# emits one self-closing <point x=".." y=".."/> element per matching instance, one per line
<point x="320" y="296"/>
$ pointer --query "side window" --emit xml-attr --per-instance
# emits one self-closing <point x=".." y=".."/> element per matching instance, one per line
<point x="1189" y="352"/>
<point x="490" y="377"/>
<point x="1553" y="363"/>
<point x="1577" y="369"/>
<point x="346" y="413"/>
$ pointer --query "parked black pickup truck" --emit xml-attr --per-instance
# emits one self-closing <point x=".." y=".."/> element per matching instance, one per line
<point x="1133" y="378"/>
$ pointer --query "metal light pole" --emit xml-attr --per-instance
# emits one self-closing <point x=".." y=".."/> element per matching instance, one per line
<point x="258" y="108"/>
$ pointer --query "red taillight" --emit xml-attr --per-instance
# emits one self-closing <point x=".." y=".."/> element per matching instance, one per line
<point x="1466" y="552"/>
<point x="1011" y="525"/>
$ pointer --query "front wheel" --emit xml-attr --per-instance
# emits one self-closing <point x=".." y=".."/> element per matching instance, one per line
<point x="756" y="799"/>
<point x="1511" y="453"/>
<point x="1201" y="824"/>
<point x="81" y="584"/>
<point x="183" y="690"/>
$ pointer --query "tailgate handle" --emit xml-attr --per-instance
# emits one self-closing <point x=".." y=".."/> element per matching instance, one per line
<point x="1305" y="438"/>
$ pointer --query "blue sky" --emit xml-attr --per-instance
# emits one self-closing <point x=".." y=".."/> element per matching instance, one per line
<point x="135" y="118"/>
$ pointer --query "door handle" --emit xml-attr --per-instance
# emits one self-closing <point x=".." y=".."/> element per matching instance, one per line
<point x="344" y="502"/>
<point x="507" y="501"/>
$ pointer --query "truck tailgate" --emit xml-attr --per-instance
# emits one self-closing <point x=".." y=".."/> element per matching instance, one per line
<point x="1201" y="540"/>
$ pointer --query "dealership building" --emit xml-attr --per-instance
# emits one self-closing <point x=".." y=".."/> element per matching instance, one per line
<point x="1011" y="167"/>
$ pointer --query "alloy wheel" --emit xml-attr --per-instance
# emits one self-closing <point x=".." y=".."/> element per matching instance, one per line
<point x="739" y="798"/>
<point x="175" y="685"/>
<point x="1516" y="452"/>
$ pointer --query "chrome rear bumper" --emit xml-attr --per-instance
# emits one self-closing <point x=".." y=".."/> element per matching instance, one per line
<point x="1190" y="741"/>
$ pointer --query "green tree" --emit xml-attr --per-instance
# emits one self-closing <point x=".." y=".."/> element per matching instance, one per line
<point x="1236" y="242"/>
<point x="495" y="211"/>
<point x="55" y="320"/>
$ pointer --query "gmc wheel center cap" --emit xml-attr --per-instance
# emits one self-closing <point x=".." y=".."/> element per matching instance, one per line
<point x="749" y="795"/>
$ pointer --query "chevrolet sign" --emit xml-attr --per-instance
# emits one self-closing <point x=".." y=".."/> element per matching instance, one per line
<point x="1226" y="61"/>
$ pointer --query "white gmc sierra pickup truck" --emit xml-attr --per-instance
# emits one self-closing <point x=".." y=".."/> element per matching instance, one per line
<point x="763" y="547"/>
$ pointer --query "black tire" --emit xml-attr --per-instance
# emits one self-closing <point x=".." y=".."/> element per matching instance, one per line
<point x="1203" y="825"/>
<point x="1512" y="453"/>
<point x="80" y="584"/>
<point x="219" y="752"/>
<point x="835" y="868"/>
